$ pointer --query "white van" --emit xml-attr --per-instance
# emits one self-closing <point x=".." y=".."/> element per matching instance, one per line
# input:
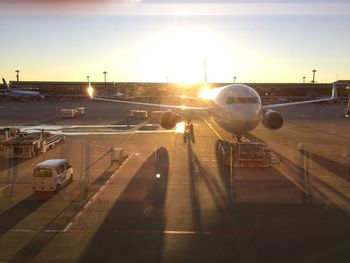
<point x="51" y="175"/>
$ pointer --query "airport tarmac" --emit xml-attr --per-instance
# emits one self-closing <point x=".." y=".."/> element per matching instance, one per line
<point x="174" y="202"/>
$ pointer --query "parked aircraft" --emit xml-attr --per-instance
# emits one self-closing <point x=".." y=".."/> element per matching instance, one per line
<point x="20" y="95"/>
<point x="236" y="108"/>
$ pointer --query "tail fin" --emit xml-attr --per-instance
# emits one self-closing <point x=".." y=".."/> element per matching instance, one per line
<point x="334" y="91"/>
<point x="5" y="84"/>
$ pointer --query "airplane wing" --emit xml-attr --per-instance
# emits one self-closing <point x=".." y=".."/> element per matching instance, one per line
<point x="186" y="111"/>
<point x="333" y="97"/>
<point x="165" y="106"/>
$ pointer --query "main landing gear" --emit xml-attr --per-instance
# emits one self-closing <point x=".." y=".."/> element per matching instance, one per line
<point x="188" y="135"/>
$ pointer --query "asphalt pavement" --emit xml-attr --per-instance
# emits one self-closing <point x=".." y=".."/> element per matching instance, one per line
<point x="175" y="202"/>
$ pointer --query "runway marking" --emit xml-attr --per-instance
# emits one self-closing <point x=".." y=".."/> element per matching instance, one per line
<point x="91" y="200"/>
<point x="54" y="231"/>
<point x="22" y="230"/>
<point x="167" y="232"/>
<point x="211" y="127"/>
<point x="6" y="186"/>
<point x="161" y="232"/>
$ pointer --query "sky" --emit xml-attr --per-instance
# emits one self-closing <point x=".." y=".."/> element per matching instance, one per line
<point x="175" y="41"/>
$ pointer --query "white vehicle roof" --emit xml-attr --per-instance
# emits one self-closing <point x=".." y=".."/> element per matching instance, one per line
<point x="51" y="163"/>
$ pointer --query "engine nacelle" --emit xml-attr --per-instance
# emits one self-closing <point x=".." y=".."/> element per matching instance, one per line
<point x="169" y="119"/>
<point x="272" y="120"/>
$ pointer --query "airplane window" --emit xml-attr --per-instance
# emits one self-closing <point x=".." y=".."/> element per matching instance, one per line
<point x="246" y="100"/>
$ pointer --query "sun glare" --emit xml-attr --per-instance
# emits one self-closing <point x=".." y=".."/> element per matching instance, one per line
<point x="207" y="93"/>
<point x="180" y="127"/>
<point x="90" y="91"/>
<point x="180" y="51"/>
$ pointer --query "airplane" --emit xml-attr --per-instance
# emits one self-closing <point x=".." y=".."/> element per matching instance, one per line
<point x="19" y="95"/>
<point x="236" y="108"/>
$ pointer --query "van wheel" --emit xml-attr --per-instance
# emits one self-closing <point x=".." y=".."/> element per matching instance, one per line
<point x="58" y="186"/>
<point x="71" y="178"/>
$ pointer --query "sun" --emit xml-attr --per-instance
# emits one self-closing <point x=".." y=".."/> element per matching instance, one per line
<point x="179" y="52"/>
<point x="183" y="53"/>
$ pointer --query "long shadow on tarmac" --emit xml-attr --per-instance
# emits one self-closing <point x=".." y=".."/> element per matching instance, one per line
<point x="17" y="213"/>
<point x="200" y="177"/>
<point x="336" y="168"/>
<point x="133" y="229"/>
<point x="268" y="220"/>
<point x="6" y="164"/>
<point x="42" y="239"/>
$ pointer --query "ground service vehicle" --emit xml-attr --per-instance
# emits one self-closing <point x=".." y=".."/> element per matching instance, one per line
<point x="246" y="154"/>
<point x="138" y="114"/>
<point x="51" y="175"/>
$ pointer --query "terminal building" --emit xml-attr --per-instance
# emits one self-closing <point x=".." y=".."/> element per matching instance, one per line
<point x="267" y="91"/>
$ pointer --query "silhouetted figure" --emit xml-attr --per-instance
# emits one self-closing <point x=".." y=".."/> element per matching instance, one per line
<point x="189" y="133"/>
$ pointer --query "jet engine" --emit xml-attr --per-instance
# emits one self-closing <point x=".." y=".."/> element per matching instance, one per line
<point x="272" y="120"/>
<point x="169" y="119"/>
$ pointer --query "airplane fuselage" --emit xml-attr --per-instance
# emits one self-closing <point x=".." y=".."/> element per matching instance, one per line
<point x="19" y="94"/>
<point x="22" y="94"/>
<point x="237" y="108"/>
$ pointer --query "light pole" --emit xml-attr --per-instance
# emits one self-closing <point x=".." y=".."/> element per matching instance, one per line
<point x="17" y="74"/>
<point x="105" y="73"/>
<point x="234" y="79"/>
<point x="347" y="113"/>
<point x="88" y="79"/>
<point x="304" y="79"/>
<point x="313" y="76"/>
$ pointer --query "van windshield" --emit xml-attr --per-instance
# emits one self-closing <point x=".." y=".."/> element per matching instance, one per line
<point x="42" y="172"/>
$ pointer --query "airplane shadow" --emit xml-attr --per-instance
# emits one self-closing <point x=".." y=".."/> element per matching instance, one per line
<point x="133" y="229"/>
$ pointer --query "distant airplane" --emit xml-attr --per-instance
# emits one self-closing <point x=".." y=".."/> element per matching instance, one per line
<point x="236" y="108"/>
<point x="20" y="95"/>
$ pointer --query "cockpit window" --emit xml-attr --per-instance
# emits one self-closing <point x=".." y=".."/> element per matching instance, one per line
<point x="246" y="100"/>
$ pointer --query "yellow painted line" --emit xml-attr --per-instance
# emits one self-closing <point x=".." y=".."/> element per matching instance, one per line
<point x="211" y="127"/>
